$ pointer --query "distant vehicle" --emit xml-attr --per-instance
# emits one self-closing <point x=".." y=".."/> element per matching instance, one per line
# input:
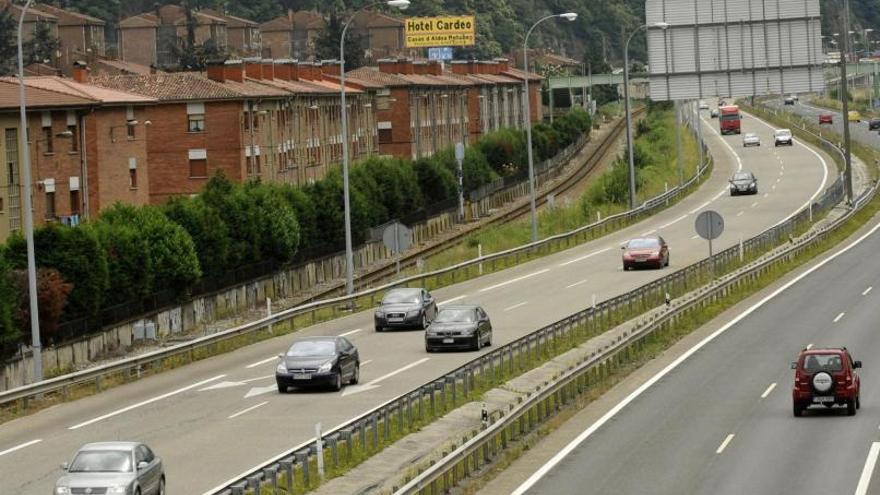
<point x="788" y="100"/>
<point x="311" y="361"/>
<point x="743" y="182"/>
<point x="825" y="377"/>
<point x="730" y="119"/>
<point x="704" y="105"/>
<point x="783" y="137"/>
<point x="793" y="97"/>
<point x="464" y="326"/>
<point x="128" y="468"/>
<point x="645" y="251"/>
<point x="855" y="116"/>
<point x="714" y="113"/>
<point x="751" y="139"/>
<point x="405" y="308"/>
<point x="874" y="123"/>
<point x="826" y="118"/>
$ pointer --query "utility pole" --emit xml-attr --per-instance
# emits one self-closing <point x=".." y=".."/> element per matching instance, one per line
<point x="844" y="95"/>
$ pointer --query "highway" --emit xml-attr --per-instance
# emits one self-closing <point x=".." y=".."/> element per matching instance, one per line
<point x="721" y="421"/>
<point x="858" y="130"/>
<point x="219" y="417"/>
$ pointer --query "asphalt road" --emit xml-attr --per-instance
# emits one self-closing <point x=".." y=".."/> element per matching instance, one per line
<point x="858" y="130"/>
<point x="217" y="418"/>
<point x="721" y="421"/>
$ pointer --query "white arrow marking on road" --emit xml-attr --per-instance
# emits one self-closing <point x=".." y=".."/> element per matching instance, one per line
<point x="375" y="383"/>
<point x="220" y="385"/>
<point x="868" y="470"/>
<point x="19" y="447"/>
<point x="769" y="389"/>
<point x="255" y="391"/>
<point x="724" y="443"/>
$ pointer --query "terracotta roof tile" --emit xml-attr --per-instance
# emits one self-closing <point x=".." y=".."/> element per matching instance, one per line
<point x="73" y="88"/>
<point x="252" y="88"/>
<point x="38" y="97"/>
<point x="520" y="75"/>
<point x="169" y="87"/>
<point x="372" y="74"/>
<point x="140" y="20"/>
<point x="123" y="67"/>
<point x="277" y="24"/>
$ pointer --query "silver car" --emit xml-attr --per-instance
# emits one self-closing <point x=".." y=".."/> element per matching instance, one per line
<point x="751" y="139"/>
<point x="120" y="468"/>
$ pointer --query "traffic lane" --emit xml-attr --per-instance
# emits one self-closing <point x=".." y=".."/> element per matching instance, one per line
<point x="717" y="392"/>
<point x="858" y="130"/>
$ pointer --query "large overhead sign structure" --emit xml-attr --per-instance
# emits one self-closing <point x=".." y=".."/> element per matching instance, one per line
<point x="733" y="48"/>
<point x="422" y="32"/>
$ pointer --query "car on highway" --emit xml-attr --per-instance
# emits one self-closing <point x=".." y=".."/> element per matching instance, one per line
<point x="793" y="97"/>
<point x="854" y="116"/>
<point x="788" y="100"/>
<point x="743" y="182"/>
<point x="825" y="377"/>
<point x="405" y="308"/>
<point x="122" y="468"/>
<point x="826" y="118"/>
<point x="645" y="251"/>
<point x="751" y="139"/>
<point x="874" y="123"/>
<point x="704" y="105"/>
<point x="714" y="113"/>
<point x="318" y="361"/>
<point x="783" y="137"/>
<point x="464" y="326"/>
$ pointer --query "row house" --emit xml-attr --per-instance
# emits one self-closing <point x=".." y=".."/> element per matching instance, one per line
<point x="80" y="37"/>
<point x="242" y="35"/>
<point x="292" y="36"/>
<point x="498" y="96"/>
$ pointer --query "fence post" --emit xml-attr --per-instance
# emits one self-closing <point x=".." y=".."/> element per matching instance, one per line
<point x="302" y="458"/>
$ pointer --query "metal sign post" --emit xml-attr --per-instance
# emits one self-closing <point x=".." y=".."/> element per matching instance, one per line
<point x="709" y="225"/>
<point x="459" y="158"/>
<point x="397" y="237"/>
<point x="319" y="447"/>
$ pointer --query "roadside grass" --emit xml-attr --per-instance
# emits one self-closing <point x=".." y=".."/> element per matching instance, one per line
<point x="860" y="101"/>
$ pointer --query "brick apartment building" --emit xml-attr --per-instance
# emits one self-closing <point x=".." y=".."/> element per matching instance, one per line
<point x="497" y="95"/>
<point x="80" y="37"/>
<point x="292" y="35"/>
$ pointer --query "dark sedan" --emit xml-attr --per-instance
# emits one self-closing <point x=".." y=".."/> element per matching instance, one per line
<point x="405" y="308"/>
<point x="743" y="182"/>
<point x="459" y="327"/>
<point x="644" y="251"/>
<point x="318" y="361"/>
<point x="874" y="123"/>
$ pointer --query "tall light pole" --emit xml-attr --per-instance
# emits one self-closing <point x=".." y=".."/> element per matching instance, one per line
<point x="349" y="255"/>
<point x="527" y="117"/>
<point x="28" y="211"/>
<point x="629" y="136"/>
<point x="844" y="95"/>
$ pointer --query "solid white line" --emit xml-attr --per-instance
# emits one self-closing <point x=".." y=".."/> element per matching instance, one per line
<point x="643" y="234"/>
<point x="769" y="389"/>
<point x="543" y="470"/>
<point x="510" y="308"/>
<point x="258" y="378"/>
<point x="740" y="213"/>
<point x="868" y="470"/>
<point x="700" y="207"/>
<point x="514" y="280"/>
<point x="258" y="363"/>
<point x="239" y="413"/>
<point x="143" y="403"/>
<point x="838" y="317"/>
<point x="457" y="298"/>
<point x="809" y="346"/>
<point x="673" y="222"/>
<point x="865" y="293"/>
<point x="724" y="443"/>
<point x="576" y="284"/>
<point x="19" y="447"/>
<point x="368" y="361"/>
<point x="346" y="334"/>
<point x="566" y="263"/>
<point x="400" y="370"/>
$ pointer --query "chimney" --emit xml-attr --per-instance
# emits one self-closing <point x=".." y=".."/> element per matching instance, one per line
<point x="459" y="67"/>
<point x="233" y="71"/>
<point x="387" y="65"/>
<point x="285" y="70"/>
<point x="503" y="64"/>
<point x="434" y="68"/>
<point x="268" y="69"/>
<point x="308" y="71"/>
<point x="216" y="71"/>
<point x="253" y="68"/>
<point x="330" y="67"/>
<point x="420" y="67"/>
<point x="405" y="66"/>
<point x="80" y="72"/>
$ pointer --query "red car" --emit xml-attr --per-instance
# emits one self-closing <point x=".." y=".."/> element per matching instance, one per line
<point x="826" y="118"/>
<point x="825" y="377"/>
<point x="645" y="251"/>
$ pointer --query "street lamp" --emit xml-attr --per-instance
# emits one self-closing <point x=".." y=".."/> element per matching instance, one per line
<point x="527" y="119"/>
<point x="28" y="210"/>
<point x="844" y="49"/>
<point x="349" y="256"/>
<point x="629" y="136"/>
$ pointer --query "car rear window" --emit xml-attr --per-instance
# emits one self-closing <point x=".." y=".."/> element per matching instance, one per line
<point x="823" y="362"/>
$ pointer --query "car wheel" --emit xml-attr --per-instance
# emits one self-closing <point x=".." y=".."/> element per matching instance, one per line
<point x="851" y="407"/>
<point x="424" y="321"/>
<point x="161" y="486"/>
<point x="379" y="328"/>
<point x="667" y="260"/>
<point x="859" y="401"/>
<point x="428" y="348"/>
<point x="356" y="376"/>
<point x="137" y="491"/>
<point x="337" y="383"/>
<point x="489" y="340"/>
<point x="282" y="389"/>
<point x="477" y="343"/>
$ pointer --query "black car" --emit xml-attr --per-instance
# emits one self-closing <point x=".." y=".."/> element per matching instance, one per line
<point x="405" y="308"/>
<point x="788" y="100"/>
<point x="318" y="361"/>
<point x="459" y="327"/>
<point x="743" y="182"/>
<point x="874" y="123"/>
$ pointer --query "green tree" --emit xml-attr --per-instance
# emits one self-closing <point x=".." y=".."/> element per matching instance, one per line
<point x="43" y="46"/>
<point x="327" y="44"/>
<point x="130" y="269"/>
<point x="8" y="43"/>
<point x="9" y="332"/>
<point x="52" y="293"/>
<point x="209" y="232"/>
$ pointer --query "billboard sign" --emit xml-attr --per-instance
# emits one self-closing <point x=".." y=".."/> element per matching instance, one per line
<point x="733" y="48"/>
<point x="423" y="32"/>
<point x="440" y="53"/>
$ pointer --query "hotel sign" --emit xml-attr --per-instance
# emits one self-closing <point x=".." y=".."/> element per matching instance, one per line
<point x="422" y="32"/>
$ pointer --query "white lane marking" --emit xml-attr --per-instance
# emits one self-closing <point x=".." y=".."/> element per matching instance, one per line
<point x="720" y="193"/>
<point x="766" y="194"/>
<point x="258" y="363"/>
<point x="562" y="454"/>
<point x="457" y="298"/>
<point x="724" y="443"/>
<point x="397" y="371"/>
<point x="838" y="317"/>
<point x="239" y="413"/>
<point x="594" y="253"/>
<point x="144" y="403"/>
<point x="769" y="389"/>
<point x="754" y="204"/>
<point x="19" y="447"/>
<point x="695" y="236"/>
<point x="673" y="222"/>
<point x="865" y="292"/>
<point x="740" y="213"/>
<point x="868" y="470"/>
<point x="700" y="207"/>
<point x="576" y="284"/>
<point x="774" y="187"/>
<point x="777" y="181"/>
<point x="511" y="308"/>
<point x="368" y="361"/>
<point x="514" y="280"/>
<point x="809" y="346"/>
<point x="258" y="378"/>
<point x="346" y="334"/>
<point x="643" y="234"/>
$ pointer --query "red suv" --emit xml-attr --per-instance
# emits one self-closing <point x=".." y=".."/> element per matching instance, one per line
<point x="826" y="377"/>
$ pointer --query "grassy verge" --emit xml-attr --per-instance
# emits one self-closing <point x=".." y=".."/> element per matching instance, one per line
<point x="860" y="101"/>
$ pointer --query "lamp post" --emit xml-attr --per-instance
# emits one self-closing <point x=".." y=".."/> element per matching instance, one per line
<point x="349" y="256"/>
<point x="629" y="136"/>
<point x="28" y="211"/>
<point x="527" y="118"/>
<point x="847" y="171"/>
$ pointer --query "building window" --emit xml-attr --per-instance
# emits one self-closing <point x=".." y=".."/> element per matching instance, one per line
<point x="132" y="173"/>
<point x="198" y="168"/>
<point x="129" y="130"/>
<point x="384" y="136"/>
<point x="47" y="140"/>
<point x="195" y="113"/>
<point x="50" y="205"/>
<point x="74" y="139"/>
<point x="1" y="205"/>
<point x="74" y="202"/>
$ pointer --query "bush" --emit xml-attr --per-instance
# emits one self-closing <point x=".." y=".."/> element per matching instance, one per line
<point x="207" y="229"/>
<point x="52" y="292"/>
<point x="436" y="182"/>
<point x="129" y="269"/>
<point x="9" y="332"/>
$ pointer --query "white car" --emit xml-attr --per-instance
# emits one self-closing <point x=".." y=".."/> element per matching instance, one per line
<point x="783" y="137"/>
<point x="704" y="105"/>
<point x="751" y="139"/>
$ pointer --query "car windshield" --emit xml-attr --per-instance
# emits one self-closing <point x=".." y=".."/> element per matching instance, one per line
<point x="312" y="348"/>
<point x="783" y="132"/>
<point x="456" y="316"/>
<point x="742" y="176"/>
<point x="751" y="135"/>
<point x="101" y="461"/>
<point x="642" y="243"/>
<point x="823" y="362"/>
<point x="401" y="297"/>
